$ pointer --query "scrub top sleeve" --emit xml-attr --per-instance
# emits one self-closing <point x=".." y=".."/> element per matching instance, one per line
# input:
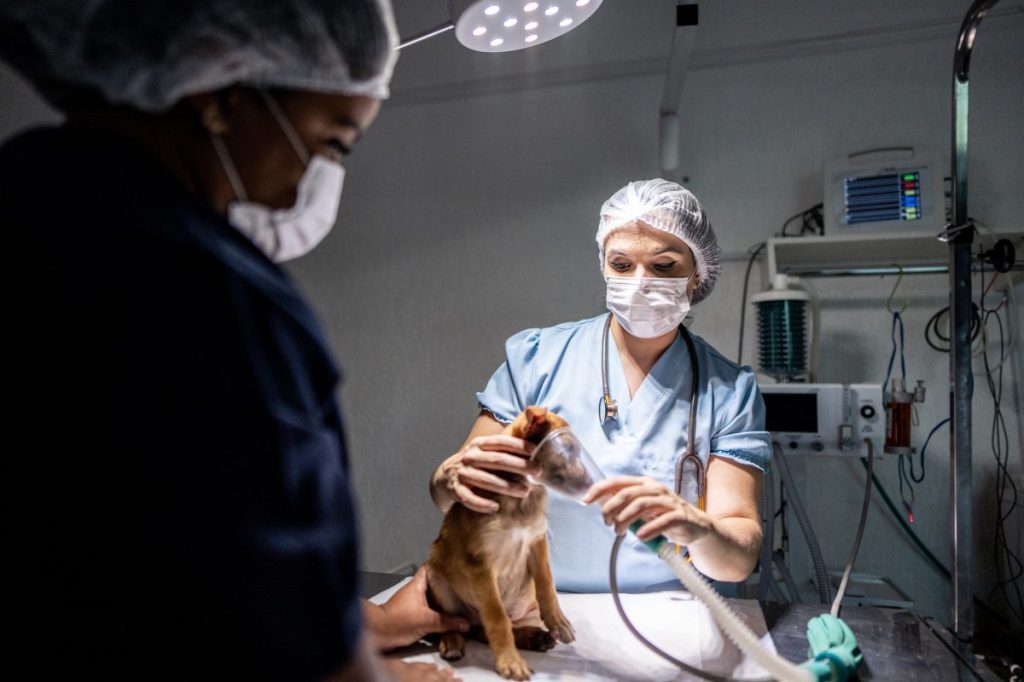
<point x="511" y="388"/>
<point x="739" y="433"/>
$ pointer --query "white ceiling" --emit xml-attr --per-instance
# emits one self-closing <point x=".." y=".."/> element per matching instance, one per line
<point x="635" y="36"/>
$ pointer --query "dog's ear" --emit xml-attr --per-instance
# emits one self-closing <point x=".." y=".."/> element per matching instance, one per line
<point x="536" y="418"/>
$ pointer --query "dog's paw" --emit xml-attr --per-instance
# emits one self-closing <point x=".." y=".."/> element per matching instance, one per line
<point x="452" y="646"/>
<point x="511" y="666"/>
<point x="560" y="627"/>
<point x="533" y="638"/>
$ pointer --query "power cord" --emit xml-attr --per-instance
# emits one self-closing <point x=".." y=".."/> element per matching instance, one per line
<point x="613" y="582"/>
<point x="929" y="555"/>
<point x="754" y="252"/>
<point x="1009" y="566"/>
<point x="908" y="479"/>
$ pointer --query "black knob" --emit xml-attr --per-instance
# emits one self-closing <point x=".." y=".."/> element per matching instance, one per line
<point x="818" y="446"/>
<point x="867" y="411"/>
<point x="1002" y="255"/>
<point x="792" y="444"/>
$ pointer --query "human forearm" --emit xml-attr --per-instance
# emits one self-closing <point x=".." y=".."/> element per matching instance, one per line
<point x="723" y="541"/>
<point x="407" y="617"/>
<point x="376" y="622"/>
<point x="729" y="550"/>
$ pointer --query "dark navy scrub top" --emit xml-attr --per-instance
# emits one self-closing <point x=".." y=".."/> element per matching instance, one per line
<point x="175" y="487"/>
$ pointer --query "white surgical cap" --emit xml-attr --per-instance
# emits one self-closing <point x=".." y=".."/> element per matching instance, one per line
<point x="671" y="208"/>
<point x="150" y="54"/>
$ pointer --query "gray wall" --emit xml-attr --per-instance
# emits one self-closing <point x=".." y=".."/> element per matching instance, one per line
<point x="469" y="214"/>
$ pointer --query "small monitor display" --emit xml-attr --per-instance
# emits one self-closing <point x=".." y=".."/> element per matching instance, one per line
<point x="885" y="191"/>
<point x="791" y="412"/>
<point x="893" y="196"/>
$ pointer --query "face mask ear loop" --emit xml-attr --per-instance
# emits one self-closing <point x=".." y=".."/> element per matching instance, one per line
<point x="229" y="167"/>
<point x="286" y="126"/>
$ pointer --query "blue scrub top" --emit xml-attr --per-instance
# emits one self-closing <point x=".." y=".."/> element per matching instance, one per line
<point x="560" y="368"/>
<point x="175" y="488"/>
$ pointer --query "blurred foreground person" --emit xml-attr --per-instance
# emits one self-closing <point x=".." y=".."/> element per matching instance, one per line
<point x="176" y="494"/>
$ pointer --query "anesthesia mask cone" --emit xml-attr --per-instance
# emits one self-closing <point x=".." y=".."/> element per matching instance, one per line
<point x="565" y="466"/>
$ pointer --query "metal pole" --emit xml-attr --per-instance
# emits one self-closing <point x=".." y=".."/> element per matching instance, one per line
<point x="960" y="236"/>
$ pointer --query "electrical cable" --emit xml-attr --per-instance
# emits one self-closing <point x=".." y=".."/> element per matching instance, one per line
<point x="931" y="328"/>
<point x="1009" y="566"/>
<point x="1005" y="353"/>
<point x="776" y="591"/>
<point x="897" y="323"/>
<point x="614" y="585"/>
<point x="824" y="588"/>
<point x="932" y="559"/>
<point x="755" y="250"/>
<point x="728" y="621"/>
<point x="812" y="221"/>
<point x="910" y="478"/>
<point x="841" y="592"/>
<point x="787" y="578"/>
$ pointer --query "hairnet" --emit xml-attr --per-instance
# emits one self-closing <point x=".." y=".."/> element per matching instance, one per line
<point x="151" y="54"/>
<point x="671" y="208"/>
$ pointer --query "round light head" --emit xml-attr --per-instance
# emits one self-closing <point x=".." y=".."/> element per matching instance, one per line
<point x="516" y="24"/>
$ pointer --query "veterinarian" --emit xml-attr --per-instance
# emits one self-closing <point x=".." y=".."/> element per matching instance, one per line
<point x="176" y="487"/>
<point x="625" y="381"/>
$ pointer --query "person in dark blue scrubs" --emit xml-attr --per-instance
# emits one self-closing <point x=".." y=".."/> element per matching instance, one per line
<point x="175" y="488"/>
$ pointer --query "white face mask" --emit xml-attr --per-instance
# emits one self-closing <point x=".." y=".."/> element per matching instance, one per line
<point x="647" y="307"/>
<point x="284" y="234"/>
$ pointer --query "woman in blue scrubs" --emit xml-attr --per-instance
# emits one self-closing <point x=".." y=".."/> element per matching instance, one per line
<point x="659" y="255"/>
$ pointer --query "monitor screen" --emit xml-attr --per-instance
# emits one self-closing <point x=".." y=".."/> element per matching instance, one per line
<point x="791" y="412"/>
<point x="885" y="191"/>
<point x="874" y="198"/>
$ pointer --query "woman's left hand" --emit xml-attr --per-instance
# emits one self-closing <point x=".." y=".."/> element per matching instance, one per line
<point x="631" y="498"/>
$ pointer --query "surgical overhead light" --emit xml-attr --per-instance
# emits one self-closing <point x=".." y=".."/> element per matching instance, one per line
<point x="506" y="25"/>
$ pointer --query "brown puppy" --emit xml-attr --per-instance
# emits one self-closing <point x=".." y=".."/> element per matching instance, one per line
<point x="493" y="569"/>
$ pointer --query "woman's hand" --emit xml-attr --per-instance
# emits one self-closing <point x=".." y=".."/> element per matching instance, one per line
<point x="406" y="617"/>
<point x="637" y="498"/>
<point x="488" y="462"/>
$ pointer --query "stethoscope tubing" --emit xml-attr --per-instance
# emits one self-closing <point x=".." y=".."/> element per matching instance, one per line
<point x="608" y="408"/>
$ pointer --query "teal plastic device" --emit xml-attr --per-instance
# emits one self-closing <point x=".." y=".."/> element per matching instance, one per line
<point x="835" y="654"/>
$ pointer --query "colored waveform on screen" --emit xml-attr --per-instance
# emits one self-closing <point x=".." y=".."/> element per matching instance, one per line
<point x="878" y="198"/>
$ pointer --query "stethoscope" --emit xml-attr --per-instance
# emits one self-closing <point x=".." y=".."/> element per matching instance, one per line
<point x="608" y="408"/>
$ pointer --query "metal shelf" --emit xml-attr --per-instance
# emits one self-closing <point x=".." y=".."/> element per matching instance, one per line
<point x="857" y="255"/>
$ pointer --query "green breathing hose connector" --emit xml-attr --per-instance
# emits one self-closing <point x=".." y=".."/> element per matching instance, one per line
<point x="833" y="647"/>
<point x="727" y="619"/>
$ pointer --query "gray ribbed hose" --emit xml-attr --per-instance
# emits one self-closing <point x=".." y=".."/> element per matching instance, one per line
<point x="824" y="589"/>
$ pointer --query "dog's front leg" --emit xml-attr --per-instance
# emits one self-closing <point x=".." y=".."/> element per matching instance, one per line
<point x="547" y="599"/>
<point x="497" y="626"/>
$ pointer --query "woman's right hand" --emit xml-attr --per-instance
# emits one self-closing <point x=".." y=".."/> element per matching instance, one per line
<point x="482" y="466"/>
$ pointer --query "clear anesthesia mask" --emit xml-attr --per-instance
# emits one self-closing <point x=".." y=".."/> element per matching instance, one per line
<point x="565" y="466"/>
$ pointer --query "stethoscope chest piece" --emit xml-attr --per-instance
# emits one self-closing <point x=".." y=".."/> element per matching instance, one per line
<point x="608" y="409"/>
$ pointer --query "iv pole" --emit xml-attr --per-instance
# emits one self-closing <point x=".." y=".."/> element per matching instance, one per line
<point x="960" y="235"/>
